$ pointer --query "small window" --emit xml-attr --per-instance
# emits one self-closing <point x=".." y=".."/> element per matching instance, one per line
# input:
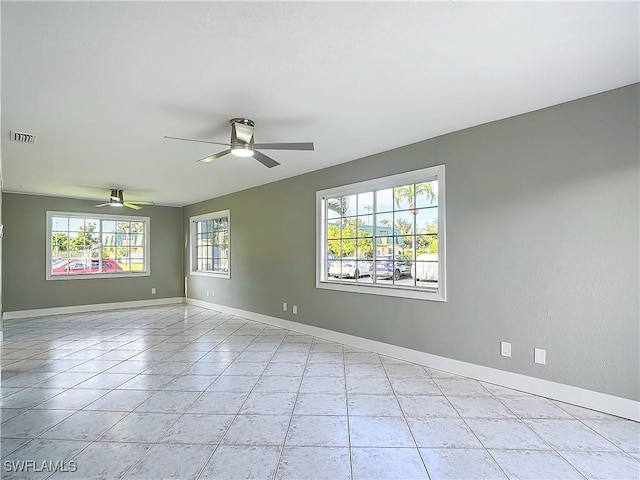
<point x="384" y="236"/>
<point x="90" y="245"/>
<point x="210" y="240"/>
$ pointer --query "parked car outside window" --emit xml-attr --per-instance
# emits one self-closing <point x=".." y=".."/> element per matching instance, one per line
<point x="81" y="266"/>
<point x="350" y="267"/>
<point x="425" y="268"/>
<point x="330" y="258"/>
<point x="390" y="267"/>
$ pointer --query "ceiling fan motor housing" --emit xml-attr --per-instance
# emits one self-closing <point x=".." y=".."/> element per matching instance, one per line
<point x="116" y="196"/>
<point x="242" y="135"/>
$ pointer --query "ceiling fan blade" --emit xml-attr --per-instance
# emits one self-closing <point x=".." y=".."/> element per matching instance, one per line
<point x="103" y="205"/>
<point x="132" y="206"/>
<point x="140" y="203"/>
<point x="215" y="156"/>
<point x="285" y="146"/>
<point x="193" y="140"/>
<point x="266" y="161"/>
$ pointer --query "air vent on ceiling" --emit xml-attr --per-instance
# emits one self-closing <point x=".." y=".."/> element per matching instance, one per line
<point x="22" y="137"/>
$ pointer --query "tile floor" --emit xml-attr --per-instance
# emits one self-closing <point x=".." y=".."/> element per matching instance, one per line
<point x="183" y="392"/>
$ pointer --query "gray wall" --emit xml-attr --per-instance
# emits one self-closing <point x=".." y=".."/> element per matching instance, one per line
<point x="24" y="258"/>
<point x="542" y="247"/>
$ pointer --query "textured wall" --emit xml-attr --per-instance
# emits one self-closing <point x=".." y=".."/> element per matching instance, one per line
<point x="24" y="258"/>
<point x="542" y="247"/>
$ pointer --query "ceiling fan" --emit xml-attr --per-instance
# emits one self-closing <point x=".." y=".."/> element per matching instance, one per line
<point x="243" y="145"/>
<point x="116" y="199"/>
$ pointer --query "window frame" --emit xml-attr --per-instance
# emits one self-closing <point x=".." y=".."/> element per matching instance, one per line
<point x="193" y="261"/>
<point x="413" y="177"/>
<point x="99" y="216"/>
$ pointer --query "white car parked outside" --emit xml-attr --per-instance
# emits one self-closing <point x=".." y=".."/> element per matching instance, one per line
<point x="350" y="267"/>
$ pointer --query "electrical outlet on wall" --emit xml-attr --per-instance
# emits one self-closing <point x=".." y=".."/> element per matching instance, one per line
<point x="505" y="349"/>
<point x="295" y="309"/>
<point x="284" y="306"/>
<point x="540" y="356"/>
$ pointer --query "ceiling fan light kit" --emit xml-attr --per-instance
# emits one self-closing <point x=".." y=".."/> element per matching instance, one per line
<point x="242" y="151"/>
<point x="243" y="144"/>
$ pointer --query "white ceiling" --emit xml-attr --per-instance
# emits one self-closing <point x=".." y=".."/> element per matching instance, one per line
<point x="100" y="84"/>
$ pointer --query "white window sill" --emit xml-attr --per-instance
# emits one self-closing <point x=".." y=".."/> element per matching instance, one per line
<point x="418" y="294"/>
<point x="86" y="276"/>
<point x="211" y="274"/>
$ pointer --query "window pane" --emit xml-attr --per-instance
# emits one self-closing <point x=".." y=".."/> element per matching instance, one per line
<point x="404" y="245"/>
<point x="76" y="224"/>
<point x="426" y="244"/>
<point x="334" y="230"/>
<point x="136" y="240"/>
<point x="427" y="194"/>
<point x="91" y="224"/>
<point x="384" y="246"/>
<point x="222" y="238"/>
<point x="333" y="248"/>
<point x="349" y="205"/>
<point x="384" y="200"/>
<point x="384" y="220"/>
<point x="349" y="229"/>
<point x="335" y="207"/>
<point x="221" y="223"/>
<point x="386" y="231"/>
<point x="59" y="244"/>
<point x="137" y="260"/>
<point x="124" y="263"/>
<point x="427" y="220"/>
<point x="403" y="222"/>
<point x="365" y="248"/>
<point x="59" y="224"/>
<point x="426" y="269"/>
<point x="403" y="197"/>
<point x="365" y="226"/>
<point x="108" y="226"/>
<point x="347" y="247"/>
<point x="365" y="203"/>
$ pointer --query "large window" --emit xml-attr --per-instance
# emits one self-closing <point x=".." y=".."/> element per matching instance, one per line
<point x="384" y="236"/>
<point x="210" y="235"/>
<point x="81" y="245"/>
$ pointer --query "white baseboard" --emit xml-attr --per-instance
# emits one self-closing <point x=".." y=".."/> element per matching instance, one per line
<point x="602" y="402"/>
<point x="96" y="307"/>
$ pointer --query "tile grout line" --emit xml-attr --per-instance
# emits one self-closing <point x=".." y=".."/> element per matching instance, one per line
<point x="404" y="416"/>
<point x="286" y="432"/>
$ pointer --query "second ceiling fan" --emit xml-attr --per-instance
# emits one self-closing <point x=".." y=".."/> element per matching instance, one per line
<point x="243" y="145"/>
